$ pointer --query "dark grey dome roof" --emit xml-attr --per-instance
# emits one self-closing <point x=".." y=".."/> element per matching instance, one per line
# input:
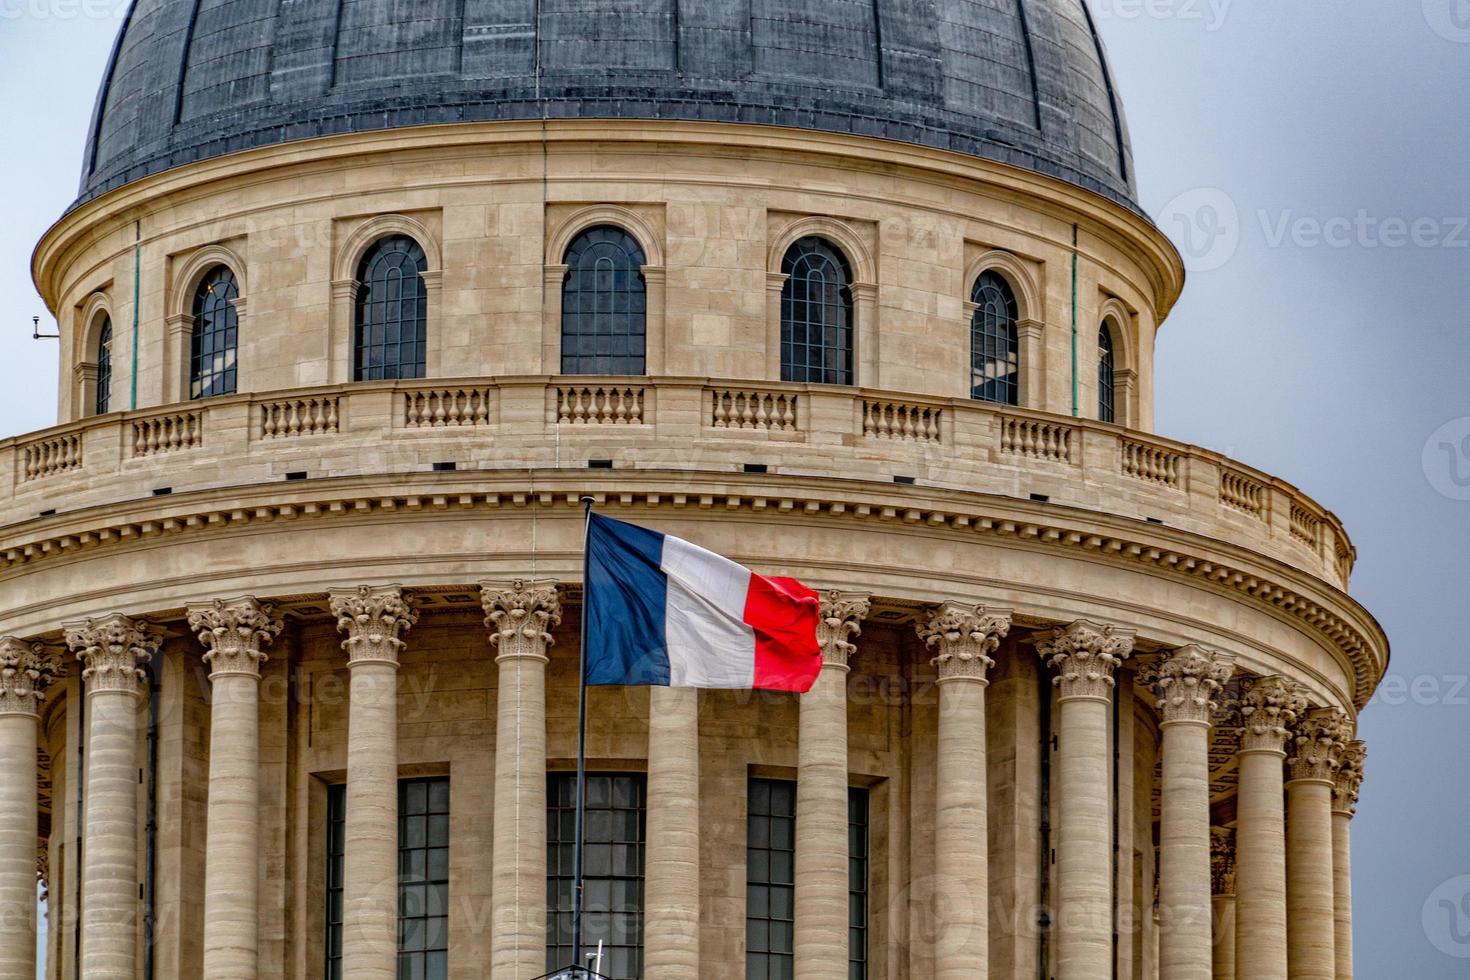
<point x="1024" y="82"/>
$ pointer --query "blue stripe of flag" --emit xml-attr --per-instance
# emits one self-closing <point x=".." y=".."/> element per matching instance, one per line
<point x="626" y="596"/>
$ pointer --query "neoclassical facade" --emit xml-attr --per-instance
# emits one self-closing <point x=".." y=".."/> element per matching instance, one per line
<point x="355" y="311"/>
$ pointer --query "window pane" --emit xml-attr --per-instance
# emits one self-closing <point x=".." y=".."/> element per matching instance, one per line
<point x="770" y="878"/>
<point x="423" y="883"/>
<point x="857" y="884"/>
<point x="104" y="368"/>
<point x="995" y="360"/>
<point x="336" y="816"/>
<point x="1106" y="380"/>
<point x="391" y="323"/>
<point x="816" y="315"/>
<point x="603" y="304"/>
<point x="214" y="337"/>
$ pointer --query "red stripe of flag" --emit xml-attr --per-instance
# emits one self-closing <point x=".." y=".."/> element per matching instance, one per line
<point x="784" y="614"/>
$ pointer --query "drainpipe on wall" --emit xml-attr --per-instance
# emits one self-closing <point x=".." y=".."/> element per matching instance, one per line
<point x="137" y="291"/>
<point x="1076" y="382"/>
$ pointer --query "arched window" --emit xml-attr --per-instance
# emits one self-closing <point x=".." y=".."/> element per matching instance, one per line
<point x="216" y="338"/>
<point x="391" y="327"/>
<point x="816" y="314"/>
<point x="995" y="359"/>
<point x="1106" y="382"/>
<point x="604" y="305"/>
<point x="103" y="401"/>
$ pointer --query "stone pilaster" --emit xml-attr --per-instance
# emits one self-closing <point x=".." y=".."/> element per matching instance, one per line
<point x="1268" y="709"/>
<point x="1349" y="781"/>
<point x="112" y="651"/>
<point x="520" y="616"/>
<point x="821" y="797"/>
<point x="963" y="639"/>
<point x="26" y="669"/>
<point x="233" y="633"/>
<point x="1320" y="740"/>
<point x="1085" y="656"/>
<point x="1222" y="886"/>
<point x="671" y="873"/>
<point x="372" y="620"/>
<point x="1187" y="685"/>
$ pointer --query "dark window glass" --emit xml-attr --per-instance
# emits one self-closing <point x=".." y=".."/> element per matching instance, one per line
<point x="216" y="336"/>
<point x="995" y="359"/>
<point x="604" y="305"/>
<point x="857" y="884"/>
<point x="423" y="879"/>
<point x="336" y="824"/>
<point x="612" y="874"/>
<point x="392" y="324"/>
<point x="816" y="314"/>
<point x="770" y="880"/>
<point x="1106" y="390"/>
<point x="104" y="367"/>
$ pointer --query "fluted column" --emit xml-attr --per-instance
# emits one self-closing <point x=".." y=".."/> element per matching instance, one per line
<point x="1187" y="685"/>
<point x="372" y="619"/>
<point x="112" y="650"/>
<point x="962" y="638"/>
<point x="1085" y="656"/>
<point x="233" y="633"/>
<point x="520" y="616"/>
<point x="25" y="671"/>
<point x="821" y="798"/>
<point x="1310" y="902"/>
<point x="1222" y="875"/>
<point x="1344" y="807"/>
<point x="1268" y="709"/>
<point x="671" y="873"/>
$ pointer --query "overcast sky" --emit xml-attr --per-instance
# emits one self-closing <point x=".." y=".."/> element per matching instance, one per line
<point x="1312" y="160"/>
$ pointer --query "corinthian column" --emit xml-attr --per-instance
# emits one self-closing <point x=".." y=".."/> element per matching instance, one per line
<point x="25" y="671"/>
<point x="962" y="639"/>
<point x="1085" y="656"/>
<point x="1222" y="875"/>
<point x="520" y="616"/>
<point x="372" y="619"/>
<point x="821" y="798"/>
<point x="1268" y="709"/>
<point x="112" y="650"/>
<point x="233" y="633"/>
<point x="1186" y="687"/>
<point x="671" y="875"/>
<point x="1320" y="740"/>
<point x="1344" y="806"/>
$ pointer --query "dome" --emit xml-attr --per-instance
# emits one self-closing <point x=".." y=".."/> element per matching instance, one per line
<point x="1019" y="83"/>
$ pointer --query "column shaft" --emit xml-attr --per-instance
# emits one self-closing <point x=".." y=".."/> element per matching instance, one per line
<point x="18" y="847"/>
<point x="671" y="878"/>
<point x="110" y="847"/>
<point x="1224" y="938"/>
<point x="232" y="845"/>
<point x="961" y="832"/>
<point x="1309" y="880"/>
<point x="1260" y="868"/>
<point x="370" y="827"/>
<point x="821" y="829"/>
<point x="1342" y="873"/>
<point x="1084" y="840"/>
<point x="1185" y="938"/>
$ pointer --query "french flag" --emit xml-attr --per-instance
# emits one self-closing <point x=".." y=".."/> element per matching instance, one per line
<point x="665" y="613"/>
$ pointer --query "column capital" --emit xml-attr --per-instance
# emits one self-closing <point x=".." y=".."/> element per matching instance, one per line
<point x="1268" y="710"/>
<point x="1320" y="740"/>
<point x="963" y="636"/>
<point x="1222" y="861"/>
<point x="233" y="632"/>
<point x="1085" y="655"/>
<point x="372" y="618"/>
<point x="26" y="670"/>
<point x="1349" y="779"/>
<point x="1188" y="682"/>
<point x="840" y="622"/>
<point x="520" y="616"/>
<point x="112" y="650"/>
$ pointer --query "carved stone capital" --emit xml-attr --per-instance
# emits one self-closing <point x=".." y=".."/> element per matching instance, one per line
<point x="26" y="670"/>
<point x="841" y="622"/>
<point x="1320" y="740"/>
<point x="1349" y="779"/>
<point x="1188" y="682"/>
<point x="963" y="637"/>
<point x="1268" y="710"/>
<point x="233" y="632"/>
<point x="1222" y="861"/>
<point x="112" y="651"/>
<point x="372" y="619"/>
<point x="1085" y="656"/>
<point x="520" y="616"/>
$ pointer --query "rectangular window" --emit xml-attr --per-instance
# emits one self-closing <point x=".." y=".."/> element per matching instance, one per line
<point x="612" y="873"/>
<point x="770" y="880"/>
<point x="336" y="816"/>
<point x="857" y="884"/>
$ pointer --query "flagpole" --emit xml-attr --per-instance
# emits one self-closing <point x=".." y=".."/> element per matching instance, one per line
<point x="580" y="835"/>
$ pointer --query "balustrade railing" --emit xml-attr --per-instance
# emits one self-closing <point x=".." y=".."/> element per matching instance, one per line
<point x="168" y="433"/>
<point x="292" y="417"/>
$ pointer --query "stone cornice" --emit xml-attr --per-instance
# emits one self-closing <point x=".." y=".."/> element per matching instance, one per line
<point x="112" y="650"/>
<point x="372" y="619"/>
<point x="520" y="616"/>
<point x="1085" y="656"/>
<point x="1291" y="593"/>
<point x="962" y="638"/>
<point x="841" y="622"/>
<point x="233" y="632"/>
<point x="1188" y="683"/>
